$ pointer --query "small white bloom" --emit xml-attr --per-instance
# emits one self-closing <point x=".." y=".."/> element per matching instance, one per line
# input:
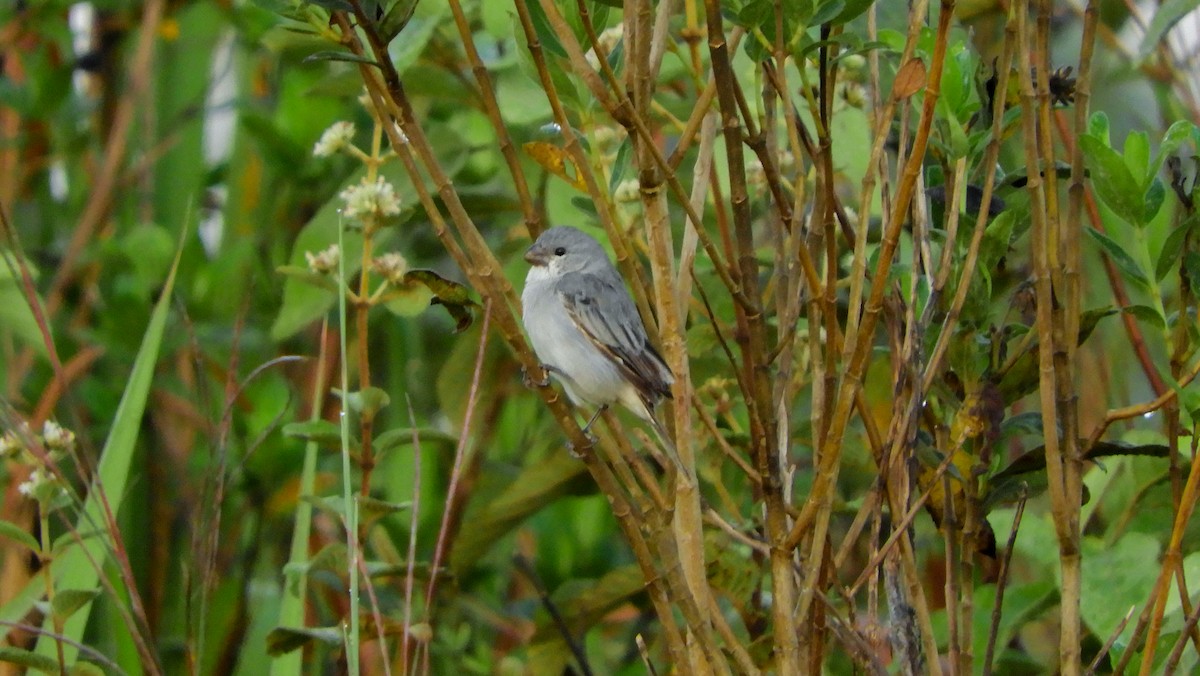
<point x="371" y="199"/>
<point x="326" y="261"/>
<point x="755" y="174"/>
<point x="627" y="190"/>
<point x="57" y="437"/>
<point x="391" y="266"/>
<point x="31" y="484"/>
<point x="368" y="104"/>
<point x="854" y="62"/>
<point x="604" y="136"/>
<point x="608" y="41"/>
<point x="335" y="138"/>
<point x="13" y="442"/>
<point x="854" y="95"/>
<point x="10" y="444"/>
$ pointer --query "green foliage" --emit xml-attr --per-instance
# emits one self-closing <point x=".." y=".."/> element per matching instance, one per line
<point x="202" y="376"/>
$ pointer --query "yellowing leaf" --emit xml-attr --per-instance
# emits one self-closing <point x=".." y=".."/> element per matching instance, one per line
<point x="554" y="160"/>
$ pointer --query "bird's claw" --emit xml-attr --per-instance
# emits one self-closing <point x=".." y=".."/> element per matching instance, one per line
<point x="530" y="382"/>
<point x="578" y="454"/>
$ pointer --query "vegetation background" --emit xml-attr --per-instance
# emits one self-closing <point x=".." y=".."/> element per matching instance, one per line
<point x="927" y="276"/>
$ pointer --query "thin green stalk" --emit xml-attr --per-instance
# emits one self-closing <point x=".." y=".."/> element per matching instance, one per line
<point x="349" y="504"/>
<point x="291" y="607"/>
<point x="46" y="557"/>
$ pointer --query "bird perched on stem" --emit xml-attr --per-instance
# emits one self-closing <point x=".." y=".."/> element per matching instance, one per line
<point x="587" y="332"/>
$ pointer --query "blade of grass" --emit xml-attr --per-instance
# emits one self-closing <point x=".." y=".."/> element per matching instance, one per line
<point x="74" y="568"/>
<point x="291" y="608"/>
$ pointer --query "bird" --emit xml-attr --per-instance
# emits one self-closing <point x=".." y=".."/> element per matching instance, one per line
<point x="586" y="330"/>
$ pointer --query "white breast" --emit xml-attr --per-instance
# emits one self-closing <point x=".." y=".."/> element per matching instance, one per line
<point x="586" y="373"/>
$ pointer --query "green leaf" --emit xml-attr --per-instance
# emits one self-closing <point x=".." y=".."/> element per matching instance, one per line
<point x="1129" y="267"/>
<point x="1156" y="192"/>
<point x="1172" y="248"/>
<point x="302" y="303"/>
<point x="827" y="11"/>
<point x="620" y="165"/>
<point x="315" y="279"/>
<point x="333" y="5"/>
<point x="1098" y="127"/>
<point x="996" y="240"/>
<point x="1122" y="570"/>
<point x="332" y="504"/>
<point x="1137" y="155"/>
<point x="149" y="249"/>
<point x="1146" y="314"/>
<point x="323" y="432"/>
<point x="371" y="509"/>
<point x="366" y="403"/>
<point x="286" y="639"/>
<point x="12" y="531"/>
<point x="1113" y="181"/>
<point x="333" y="55"/>
<point x="1176" y="135"/>
<point x="851" y="9"/>
<point x="1029" y="422"/>
<point x="15" y="314"/>
<point x="74" y="568"/>
<point x="1169" y="13"/>
<point x="455" y="297"/>
<point x="545" y="32"/>
<point x="419" y="29"/>
<point x="393" y="439"/>
<point x="538" y="485"/>
<point x="584" y="603"/>
<point x="67" y="601"/>
<point x="422" y="288"/>
<point x="396" y="19"/>
<point x="407" y="300"/>
<point x="1191" y="265"/>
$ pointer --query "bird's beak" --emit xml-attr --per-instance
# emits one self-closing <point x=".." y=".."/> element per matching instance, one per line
<point x="536" y="255"/>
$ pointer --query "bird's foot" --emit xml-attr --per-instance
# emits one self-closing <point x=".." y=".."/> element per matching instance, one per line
<point x="528" y="380"/>
<point x="577" y="453"/>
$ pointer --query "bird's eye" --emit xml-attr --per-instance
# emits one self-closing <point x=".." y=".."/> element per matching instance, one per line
<point x="560" y="251"/>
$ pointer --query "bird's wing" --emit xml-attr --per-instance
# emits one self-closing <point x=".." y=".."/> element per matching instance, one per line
<point x="603" y="311"/>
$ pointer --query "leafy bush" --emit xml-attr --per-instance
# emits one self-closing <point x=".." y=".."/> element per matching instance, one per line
<point x="926" y="282"/>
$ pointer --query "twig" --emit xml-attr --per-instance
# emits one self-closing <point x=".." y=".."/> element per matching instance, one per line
<point x="1112" y="639"/>
<point x="1002" y="582"/>
<point x="460" y="453"/>
<point x="410" y="563"/>
<point x="526" y="568"/>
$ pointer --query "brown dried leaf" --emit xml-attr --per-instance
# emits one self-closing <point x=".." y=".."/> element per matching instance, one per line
<point x="910" y="80"/>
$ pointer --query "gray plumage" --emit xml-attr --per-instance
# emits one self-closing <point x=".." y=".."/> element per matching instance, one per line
<point x="585" y="328"/>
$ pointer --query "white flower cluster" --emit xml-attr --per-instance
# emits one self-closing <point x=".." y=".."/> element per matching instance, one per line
<point x="28" y="486"/>
<point x="15" y="445"/>
<point x="336" y="138"/>
<point x="12" y="443"/>
<point x="370" y="199"/>
<point x="54" y="436"/>
<point x="57" y="437"/>
<point x="608" y="41"/>
<point x="628" y="190"/>
<point x="391" y="266"/>
<point x="326" y="261"/>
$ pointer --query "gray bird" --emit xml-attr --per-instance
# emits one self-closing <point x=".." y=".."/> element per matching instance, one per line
<point x="586" y="330"/>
